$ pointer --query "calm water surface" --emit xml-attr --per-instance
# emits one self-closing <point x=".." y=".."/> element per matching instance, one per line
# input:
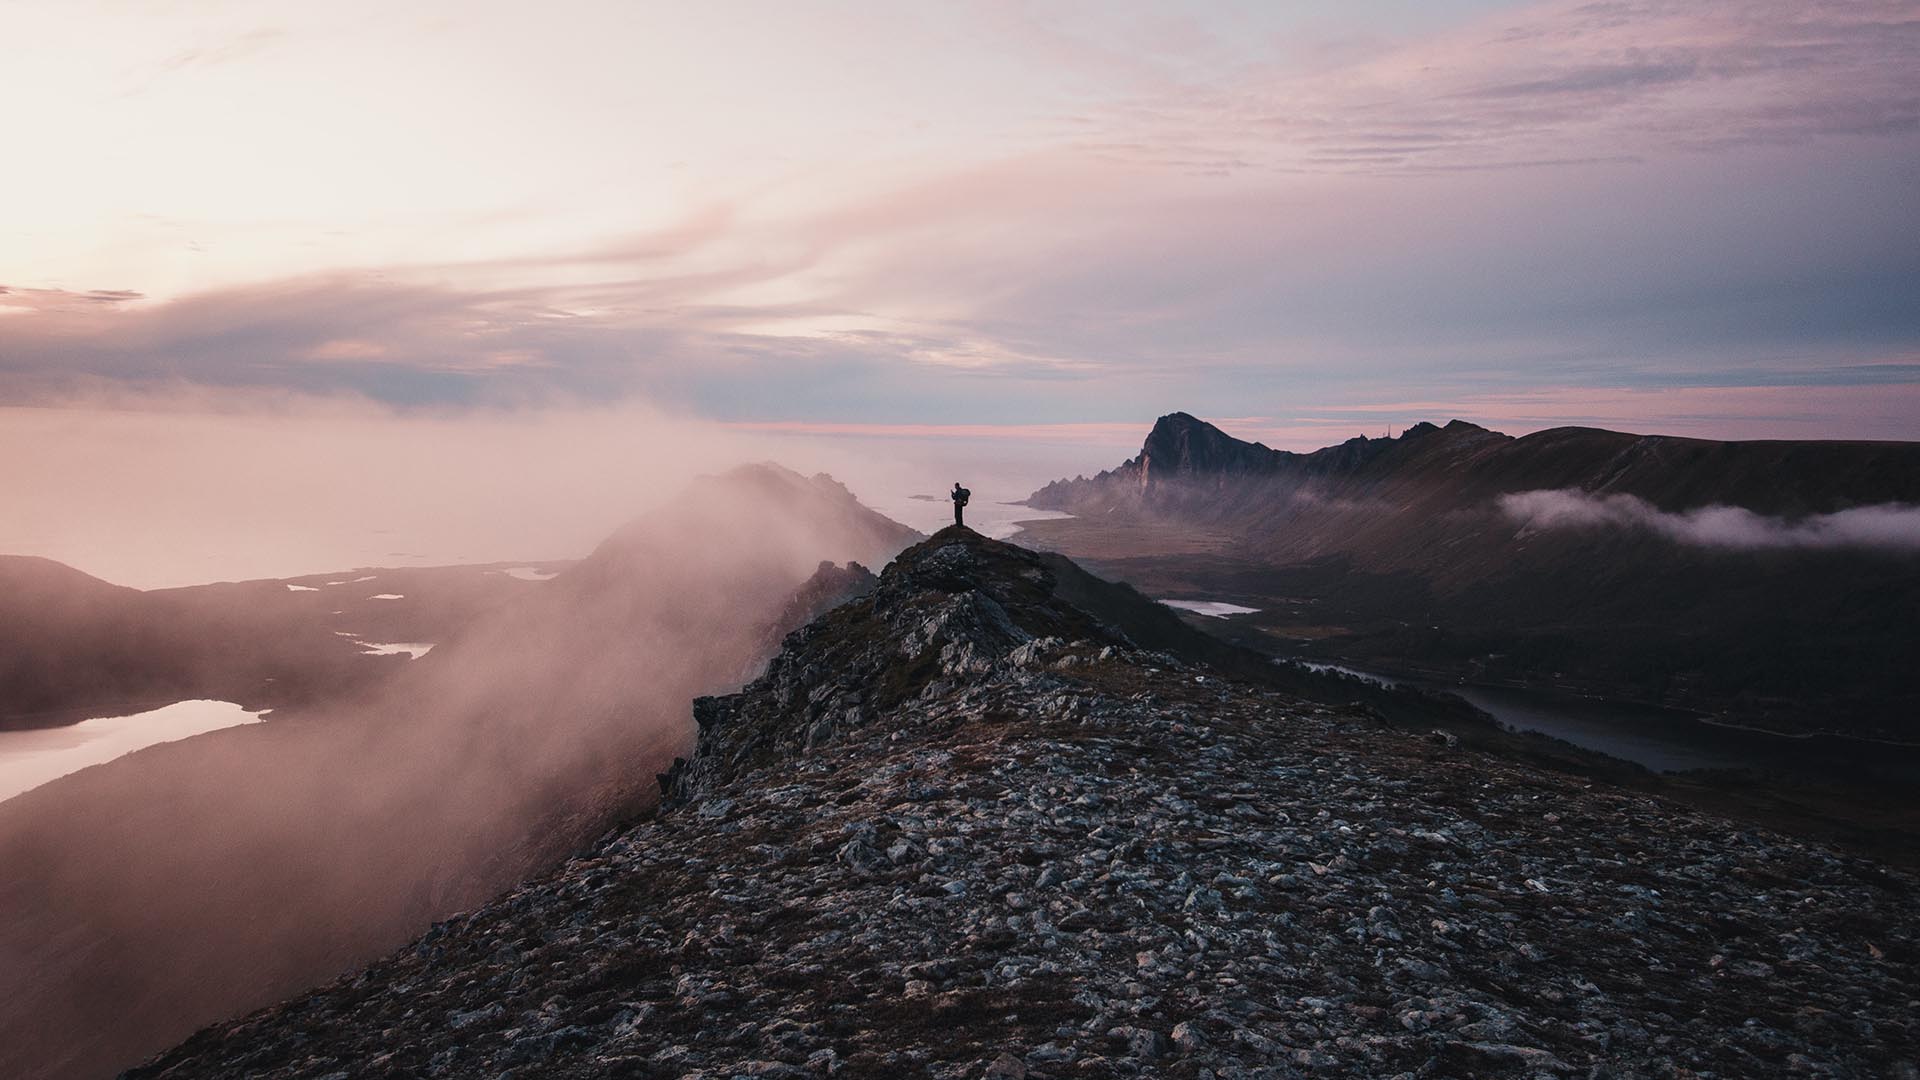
<point x="1664" y="740"/>
<point x="31" y="758"/>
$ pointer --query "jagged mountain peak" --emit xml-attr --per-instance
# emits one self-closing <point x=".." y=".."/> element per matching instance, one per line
<point x="1184" y="455"/>
<point x="1183" y="448"/>
<point x="1183" y="444"/>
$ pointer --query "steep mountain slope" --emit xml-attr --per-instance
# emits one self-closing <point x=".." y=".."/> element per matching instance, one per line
<point x="191" y="880"/>
<point x="1410" y="552"/>
<point x="963" y="828"/>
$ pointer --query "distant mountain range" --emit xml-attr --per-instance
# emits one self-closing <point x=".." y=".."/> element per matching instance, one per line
<point x="73" y="646"/>
<point x="1772" y="581"/>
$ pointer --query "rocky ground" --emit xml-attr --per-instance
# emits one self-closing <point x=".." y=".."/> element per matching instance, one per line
<point x="962" y="829"/>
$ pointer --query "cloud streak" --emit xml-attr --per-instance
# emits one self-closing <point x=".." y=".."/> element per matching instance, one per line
<point x="1169" y="217"/>
<point x="1885" y="527"/>
<point x="1570" y="81"/>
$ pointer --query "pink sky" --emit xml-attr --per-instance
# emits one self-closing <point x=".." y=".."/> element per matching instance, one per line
<point x="1045" y="223"/>
<point x="981" y="214"/>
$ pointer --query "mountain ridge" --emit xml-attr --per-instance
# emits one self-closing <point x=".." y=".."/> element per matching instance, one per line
<point x="942" y="838"/>
<point x="1773" y="476"/>
<point x="1685" y="572"/>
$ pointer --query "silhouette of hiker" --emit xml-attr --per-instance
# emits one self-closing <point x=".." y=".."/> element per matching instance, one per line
<point x="960" y="497"/>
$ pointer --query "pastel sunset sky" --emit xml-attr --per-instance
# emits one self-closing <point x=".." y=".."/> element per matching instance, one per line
<point x="1311" y="217"/>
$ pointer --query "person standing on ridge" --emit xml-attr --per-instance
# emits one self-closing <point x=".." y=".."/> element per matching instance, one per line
<point x="960" y="497"/>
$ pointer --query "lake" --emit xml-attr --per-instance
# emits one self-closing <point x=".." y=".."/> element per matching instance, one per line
<point x="1664" y="740"/>
<point x="1217" y="609"/>
<point x="31" y="758"/>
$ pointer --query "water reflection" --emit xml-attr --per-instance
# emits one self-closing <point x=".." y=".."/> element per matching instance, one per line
<point x="1664" y="740"/>
<point x="1218" y="609"/>
<point x="31" y="758"/>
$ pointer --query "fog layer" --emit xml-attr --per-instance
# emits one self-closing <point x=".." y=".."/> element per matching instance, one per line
<point x="186" y="488"/>
<point x="199" y="879"/>
<point x="1888" y="526"/>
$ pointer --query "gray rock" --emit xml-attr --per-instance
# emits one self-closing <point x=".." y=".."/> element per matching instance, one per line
<point x="1142" y="1043"/>
<point x="1005" y="1067"/>
<point x="1187" y="1037"/>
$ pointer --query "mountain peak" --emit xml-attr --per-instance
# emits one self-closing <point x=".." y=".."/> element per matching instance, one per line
<point x="1183" y="444"/>
<point x="952" y="606"/>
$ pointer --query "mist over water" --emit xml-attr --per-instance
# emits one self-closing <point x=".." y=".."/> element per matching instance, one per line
<point x="229" y="869"/>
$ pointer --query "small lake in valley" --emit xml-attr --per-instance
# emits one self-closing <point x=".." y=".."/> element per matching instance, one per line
<point x="33" y="757"/>
<point x="1663" y="740"/>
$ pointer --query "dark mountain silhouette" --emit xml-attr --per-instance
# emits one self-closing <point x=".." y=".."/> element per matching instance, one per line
<point x="1464" y="462"/>
<point x="73" y="646"/>
<point x="1401" y="552"/>
<point x="192" y="880"/>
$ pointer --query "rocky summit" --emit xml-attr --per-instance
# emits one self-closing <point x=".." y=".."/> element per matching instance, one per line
<point x="963" y="828"/>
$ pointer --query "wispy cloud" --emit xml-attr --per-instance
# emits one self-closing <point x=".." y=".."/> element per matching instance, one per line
<point x="1889" y="526"/>
<point x="226" y="50"/>
<point x="1563" y="82"/>
<point x="1618" y="207"/>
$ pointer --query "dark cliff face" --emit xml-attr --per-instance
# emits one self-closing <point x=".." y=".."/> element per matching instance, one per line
<point x="1185" y="446"/>
<point x="963" y="828"/>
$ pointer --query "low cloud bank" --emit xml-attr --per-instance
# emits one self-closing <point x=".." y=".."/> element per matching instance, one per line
<point x="1884" y="526"/>
<point x="162" y="490"/>
<point x="150" y="895"/>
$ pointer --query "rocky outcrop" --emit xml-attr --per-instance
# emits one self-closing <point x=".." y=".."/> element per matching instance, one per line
<point x="961" y="828"/>
<point x="830" y="586"/>
<point x="947" y="609"/>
